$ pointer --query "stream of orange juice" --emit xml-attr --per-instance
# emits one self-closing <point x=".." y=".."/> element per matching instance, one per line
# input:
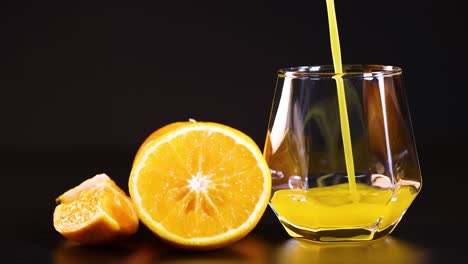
<point x="343" y="206"/>
<point x="345" y="133"/>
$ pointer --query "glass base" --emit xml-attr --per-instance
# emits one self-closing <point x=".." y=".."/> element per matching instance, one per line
<point x="339" y="235"/>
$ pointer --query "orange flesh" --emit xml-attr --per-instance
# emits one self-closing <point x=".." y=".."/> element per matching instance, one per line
<point x="77" y="214"/>
<point x="194" y="176"/>
<point x="95" y="212"/>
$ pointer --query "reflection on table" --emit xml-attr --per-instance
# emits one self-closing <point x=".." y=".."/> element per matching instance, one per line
<point x="251" y="249"/>
<point x="385" y="250"/>
<point x="141" y="251"/>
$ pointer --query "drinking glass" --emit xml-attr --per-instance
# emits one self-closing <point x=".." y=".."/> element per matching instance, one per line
<point x="344" y="164"/>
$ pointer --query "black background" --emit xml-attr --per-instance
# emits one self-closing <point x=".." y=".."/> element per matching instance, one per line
<point x="82" y="84"/>
<point x="79" y="75"/>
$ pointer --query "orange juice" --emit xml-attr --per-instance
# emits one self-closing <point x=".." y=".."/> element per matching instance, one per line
<point x="346" y="135"/>
<point x="323" y="209"/>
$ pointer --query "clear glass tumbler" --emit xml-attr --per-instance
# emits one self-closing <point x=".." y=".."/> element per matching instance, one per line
<point x="344" y="164"/>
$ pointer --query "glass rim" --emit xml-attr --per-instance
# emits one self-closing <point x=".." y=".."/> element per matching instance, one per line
<point x="349" y="70"/>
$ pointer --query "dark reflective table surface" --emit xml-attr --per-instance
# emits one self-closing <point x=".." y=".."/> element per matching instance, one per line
<point x="252" y="249"/>
<point x="430" y="232"/>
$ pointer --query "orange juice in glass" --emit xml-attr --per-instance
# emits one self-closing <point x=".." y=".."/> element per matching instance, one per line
<point x="315" y="194"/>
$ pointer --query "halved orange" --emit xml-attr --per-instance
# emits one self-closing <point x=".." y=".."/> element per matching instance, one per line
<point x="95" y="211"/>
<point x="200" y="185"/>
